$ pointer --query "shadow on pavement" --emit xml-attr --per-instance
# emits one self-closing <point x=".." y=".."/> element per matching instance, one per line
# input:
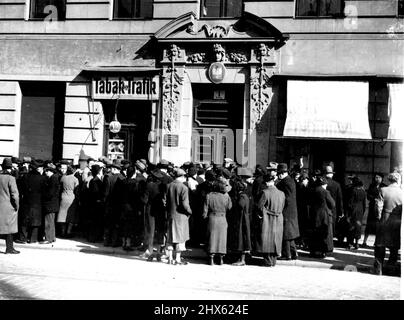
<point x="11" y="292"/>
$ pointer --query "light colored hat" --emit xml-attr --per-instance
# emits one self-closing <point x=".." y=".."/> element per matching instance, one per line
<point x="228" y="160"/>
<point x="178" y="172"/>
<point x="328" y="169"/>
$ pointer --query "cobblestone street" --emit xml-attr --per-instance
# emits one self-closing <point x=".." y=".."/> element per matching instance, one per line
<point x="66" y="274"/>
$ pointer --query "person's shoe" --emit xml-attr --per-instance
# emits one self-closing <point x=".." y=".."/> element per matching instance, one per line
<point x="150" y="259"/>
<point x="20" y="241"/>
<point x="294" y="257"/>
<point x="45" y="242"/>
<point x="239" y="263"/>
<point x="356" y="246"/>
<point x="285" y="258"/>
<point x="12" y="251"/>
<point x="180" y="263"/>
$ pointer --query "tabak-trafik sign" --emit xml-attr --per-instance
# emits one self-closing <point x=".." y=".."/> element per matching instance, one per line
<point x="129" y="88"/>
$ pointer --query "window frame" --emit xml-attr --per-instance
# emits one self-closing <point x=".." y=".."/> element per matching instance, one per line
<point x="340" y="15"/>
<point x="222" y="8"/>
<point x="31" y="10"/>
<point x="114" y="8"/>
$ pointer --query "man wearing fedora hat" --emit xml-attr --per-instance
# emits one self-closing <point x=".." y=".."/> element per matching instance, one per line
<point x="32" y="192"/>
<point x="9" y="203"/>
<point x="111" y="201"/>
<point x="50" y="204"/>
<point x="178" y="217"/>
<point x="336" y="193"/>
<point x="290" y="217"/>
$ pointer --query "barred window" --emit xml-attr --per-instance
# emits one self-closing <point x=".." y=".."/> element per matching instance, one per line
<point x="48" y="9"/>
<point x="128" y="9"/>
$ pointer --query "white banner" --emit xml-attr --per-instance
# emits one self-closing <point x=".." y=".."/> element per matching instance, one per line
<point x="129" y="88"/>
<point x="327" y="109"/>
<point x="396" y="111"/>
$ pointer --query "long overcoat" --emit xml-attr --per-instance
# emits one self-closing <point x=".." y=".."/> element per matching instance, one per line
<point x="241" y="224"/>
<point x="9" y="202"/>
<point x="389" y="218"/>
<point x="336" y="193"/>
<point x="356" y="206"/>
<point x="216" y="206"/>
<point x="178" y="212"/>
<point x="69" y="185"/>
<point x="290" y="218"/>
<point x="321" y="221"/>
<point x="271" y="206"/>
<point x="51" y="195"/>
<point x="33" y="190"/>
<point x="373" y="193"/>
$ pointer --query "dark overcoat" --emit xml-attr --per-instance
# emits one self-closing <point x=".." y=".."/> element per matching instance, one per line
<point x="388" y="226"/>
<point x="373" y="193"/>
<point x="216" y="206"/>
<point x="178" y="212"/>
<point x="9" y="202"/>
<point x="336" y="193"/>
<point x="241" y="239"/>
<point x="321" y="221"/>
<point x="356" y="206"/>
<point x="290" y="219"/>
<point x="271" y="206"/>
<point x="33" y="189"/>
<point x="51" y="195"/>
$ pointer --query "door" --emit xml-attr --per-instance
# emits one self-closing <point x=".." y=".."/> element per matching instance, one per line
<point x="212" y="145"/>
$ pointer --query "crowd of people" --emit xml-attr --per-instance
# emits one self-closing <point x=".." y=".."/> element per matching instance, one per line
<point x="227" y="209"/>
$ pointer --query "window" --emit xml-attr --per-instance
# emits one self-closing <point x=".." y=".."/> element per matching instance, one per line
<point x="319" y="8"/>
<point x="128" y="9"/>
<point x="401" y="7"/>
<point x="221" y="8"/>
<point x="48" y="9"/>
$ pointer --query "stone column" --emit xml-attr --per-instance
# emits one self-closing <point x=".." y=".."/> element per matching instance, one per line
<point x="262" y="68"/>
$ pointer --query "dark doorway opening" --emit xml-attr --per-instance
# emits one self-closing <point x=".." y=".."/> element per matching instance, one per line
<point x="42" y="117"/>
<point x="131" y="142"/>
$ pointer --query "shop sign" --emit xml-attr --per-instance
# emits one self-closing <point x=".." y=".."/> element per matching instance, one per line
<point x="217" y="72"/>
<point x="126" y="88"/>
<point x="170" y="140"/>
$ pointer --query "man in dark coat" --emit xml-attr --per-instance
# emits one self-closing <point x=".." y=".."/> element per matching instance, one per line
<point x="33" y="188"/>
<point x="336" y="193"/>
<point x="9" y="201"/>
<point x="111" y="201"/>
<point x="257" y="186"/>
<point x="388" y="225"/>
<point x="290" y="217"/>
<point x="95" y="204"/>
<point x="271" y="206"/>
<point x="51" y="204"/>
<point x="322" y="203"/>
<point x="178" y="217"/>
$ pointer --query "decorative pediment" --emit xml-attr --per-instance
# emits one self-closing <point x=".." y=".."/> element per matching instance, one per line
<point x="188" y="28"/>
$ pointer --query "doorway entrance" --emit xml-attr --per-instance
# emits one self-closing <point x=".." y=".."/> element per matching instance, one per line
<point x="218" y="113"/>
<point x="131" y="142"/>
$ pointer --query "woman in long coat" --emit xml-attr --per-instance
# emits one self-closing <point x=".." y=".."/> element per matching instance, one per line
<point x="95" y="205"/>
<point x="9" y="201"/>
<point x="217" y="204"/>
<point x="321" y="220"/>
<point x="356" y="206"/>
<point x="271" y="205"/>
<point x="68" y="205"/>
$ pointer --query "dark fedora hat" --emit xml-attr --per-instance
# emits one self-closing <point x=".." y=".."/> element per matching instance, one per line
<point x="282" y="167"/>
<point x="7" y="164"/>
<point x="157" y="173"/>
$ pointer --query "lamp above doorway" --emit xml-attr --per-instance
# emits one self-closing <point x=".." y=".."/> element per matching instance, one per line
<point x="115" y="125"/>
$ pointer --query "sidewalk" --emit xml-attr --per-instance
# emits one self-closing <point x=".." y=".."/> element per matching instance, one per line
<point x="360" y="260"/>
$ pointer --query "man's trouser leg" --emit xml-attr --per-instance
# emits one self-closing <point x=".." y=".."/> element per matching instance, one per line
<point x="380" y="253"/>
<point x="50" y="227"/>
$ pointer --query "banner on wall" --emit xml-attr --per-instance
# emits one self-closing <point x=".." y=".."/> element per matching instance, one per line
<point x="327" y="109"/>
